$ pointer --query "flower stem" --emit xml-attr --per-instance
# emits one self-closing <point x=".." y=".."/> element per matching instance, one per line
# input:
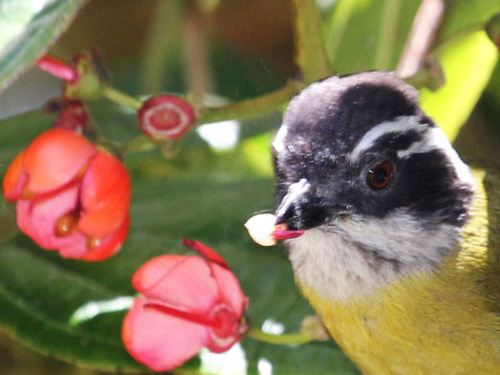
<point x="251" y="107"/>
<point x="121" y="98"/>
<point x="285" y="339"/>
<point x="310" y="50"/>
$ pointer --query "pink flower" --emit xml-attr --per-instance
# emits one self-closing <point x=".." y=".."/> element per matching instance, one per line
<point x="166" y="117"/>
<point x="70" y="196"/>
<point x="187" y="303"/>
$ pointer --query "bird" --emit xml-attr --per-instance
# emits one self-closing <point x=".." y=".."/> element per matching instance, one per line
<point x="398" y="244"/>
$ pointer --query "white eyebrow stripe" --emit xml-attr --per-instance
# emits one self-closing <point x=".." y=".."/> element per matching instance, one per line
<point x="402" y="124"/>
<point x="435" y="139"/>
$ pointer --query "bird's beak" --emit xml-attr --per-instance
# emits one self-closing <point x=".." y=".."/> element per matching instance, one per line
<point x="299" y="210"/>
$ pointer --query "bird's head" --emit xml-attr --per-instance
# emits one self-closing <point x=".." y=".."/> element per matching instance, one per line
<point x="356" y="159"/>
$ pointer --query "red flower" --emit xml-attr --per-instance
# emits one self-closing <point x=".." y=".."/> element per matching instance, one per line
<point x="166" y="117"/>
<point x="71" y="196"/>
<point x="188" y="302"/>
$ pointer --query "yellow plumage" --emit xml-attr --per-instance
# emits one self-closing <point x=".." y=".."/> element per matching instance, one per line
<point x="445" y="321"/>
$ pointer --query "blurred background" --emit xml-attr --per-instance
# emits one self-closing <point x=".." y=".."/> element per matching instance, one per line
<point x="234" y="49"/>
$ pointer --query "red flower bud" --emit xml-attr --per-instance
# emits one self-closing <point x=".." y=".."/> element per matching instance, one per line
<point x="70" y="196"/>
<point x="72" y="116"/>
<point x="188" y="303"/>
<point x="166" y="117"/>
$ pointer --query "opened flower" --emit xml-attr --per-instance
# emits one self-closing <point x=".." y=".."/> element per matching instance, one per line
<point x="166" y="117"/>
<point x="187" y="303"/>
<point x="70" y="196"/>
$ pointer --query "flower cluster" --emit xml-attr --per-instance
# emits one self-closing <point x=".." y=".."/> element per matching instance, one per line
<point x="187" y="302"/>
<point x="70" y="196"/>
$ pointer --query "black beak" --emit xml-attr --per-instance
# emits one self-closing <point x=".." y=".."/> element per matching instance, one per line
<point x="301" y="208"/>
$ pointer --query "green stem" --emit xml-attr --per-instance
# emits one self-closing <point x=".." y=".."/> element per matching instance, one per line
<point x="310" y="50"/>
<point x="138" y="144"/>
<point x="285" y="339"/>
<point x="251" y="107"/>
<point x="121" y="98"/>
<point x="387" y="35"/>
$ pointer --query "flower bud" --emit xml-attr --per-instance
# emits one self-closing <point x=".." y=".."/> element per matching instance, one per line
<point x="166" y="117"/>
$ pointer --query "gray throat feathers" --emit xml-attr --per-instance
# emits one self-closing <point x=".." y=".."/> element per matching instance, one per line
<point x="349" y="259"/>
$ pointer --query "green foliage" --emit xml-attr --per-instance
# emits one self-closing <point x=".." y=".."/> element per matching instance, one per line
<point x="27" y="30"/>
<point x="468" y="64"/>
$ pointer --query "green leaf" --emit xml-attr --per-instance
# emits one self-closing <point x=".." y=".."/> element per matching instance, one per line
<point x="40" y="291"/>
<point x="461" y="15"/>
<point x="354" y="34"/>
<point x="27" y="29"/>
<point x="468" y="63"/>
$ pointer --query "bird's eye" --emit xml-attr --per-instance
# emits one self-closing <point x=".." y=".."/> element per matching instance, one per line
<point x="380" y="175"/>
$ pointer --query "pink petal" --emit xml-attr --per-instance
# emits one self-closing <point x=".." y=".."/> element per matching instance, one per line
<point x="185" y="282"/>
<point x="37" y="218"/>
<point x="160" y="341"/>
<point x="226" y="328"/>
<point x="229" y="289"/>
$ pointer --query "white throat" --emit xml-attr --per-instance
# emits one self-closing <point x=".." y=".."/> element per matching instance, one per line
<point x="356" y="258"/>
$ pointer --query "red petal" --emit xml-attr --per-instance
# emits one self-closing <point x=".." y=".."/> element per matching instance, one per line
<point x="158" y="340"/>
<point x="105" y="196"/>
<point x="14" y="178"/>
<point x="204" y="250"/>
<point x="182" y="281"/>
<point x="37" y="218"/>
<point x="110" y="246"/>
<point x="55" y="158"/>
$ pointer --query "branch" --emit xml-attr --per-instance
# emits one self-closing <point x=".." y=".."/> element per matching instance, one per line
<point x="422" y="34"/>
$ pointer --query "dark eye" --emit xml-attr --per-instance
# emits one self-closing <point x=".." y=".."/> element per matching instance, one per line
<point x="380" y="175"/>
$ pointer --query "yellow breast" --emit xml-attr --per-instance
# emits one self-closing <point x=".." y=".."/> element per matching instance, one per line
<point x="442" y="322"/>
